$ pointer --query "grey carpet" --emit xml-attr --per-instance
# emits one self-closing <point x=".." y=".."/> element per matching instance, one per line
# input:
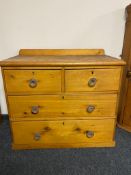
<point x="91" y="161"/>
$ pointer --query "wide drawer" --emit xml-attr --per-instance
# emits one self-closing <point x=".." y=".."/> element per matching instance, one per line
<point x="66" y="131"/>
<point x="92" y="80"/>
<point x="32" y="81"/>
<point x="54" y="106"/>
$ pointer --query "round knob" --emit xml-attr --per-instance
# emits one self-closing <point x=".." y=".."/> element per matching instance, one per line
<point x="37" y="136"/>
<point x="92" y="82"/>
<point x="89" y="134"/>
<point x="32" y="83"/>
<point x="35" y="109"/>
<point x="90" y="108"/>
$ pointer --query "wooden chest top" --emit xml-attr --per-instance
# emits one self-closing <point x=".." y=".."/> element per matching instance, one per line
<point x="72" y="60"/>
<point x="33" y="58"/>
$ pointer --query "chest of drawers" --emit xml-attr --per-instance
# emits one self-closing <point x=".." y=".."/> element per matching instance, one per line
<point x="62" y="98"/>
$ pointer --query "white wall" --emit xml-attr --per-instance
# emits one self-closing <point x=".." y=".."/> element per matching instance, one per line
<point x="60" y="24"/>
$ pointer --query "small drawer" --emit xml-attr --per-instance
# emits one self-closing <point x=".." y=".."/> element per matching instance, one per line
<point x="65" y="131"/>
<point x="32" y="81"/>
<point x="92" y="80"/>
<point x="68" y="106"/>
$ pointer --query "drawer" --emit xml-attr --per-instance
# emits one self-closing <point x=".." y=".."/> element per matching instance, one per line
<point x="65" y="131"/>
<point x="32" y="81"/>
<point x="68" y="106"/>
<point x="92" y="80"/>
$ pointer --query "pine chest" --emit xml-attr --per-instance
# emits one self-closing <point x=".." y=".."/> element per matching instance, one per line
<point x="62" y="98"/>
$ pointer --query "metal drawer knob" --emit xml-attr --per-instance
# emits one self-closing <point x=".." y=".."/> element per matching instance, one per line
<point x="92" y="82"/>
<point x="90" y="108"/>
<point x="89" y="134"/>
<point x="35" y="109"/>
<point x="37" y="136"/>
<point x="32" y="83"/>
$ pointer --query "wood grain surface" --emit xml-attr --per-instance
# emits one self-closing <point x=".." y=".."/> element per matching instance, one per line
<point x="69" y="131"/>
<point x="106" y="80"/>
<point x="18" y="81"/>
<point x="62" y="60"/>
<point x="54" y="107"/>
<point x="40" y="52"/>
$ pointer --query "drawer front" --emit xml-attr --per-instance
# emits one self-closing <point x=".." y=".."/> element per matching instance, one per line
<point x="66" y="131"/>
<point x="32" y="81"/>
<point x="92" y="80"/>
<point x="53" y="106"/>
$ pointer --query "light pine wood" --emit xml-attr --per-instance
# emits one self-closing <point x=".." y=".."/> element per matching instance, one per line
<point x="62" y="60"/>
<point x="105" y="80"/>
<point x="55" y="68"/>
<point x="58" y="107"/>
<point x="17" y="81"/>
<point x="64" y="131"/>
<point x="62" y="96"/>
<point x="61" y="145"/>
<point x="51" y="80"/>
<point x="39" y="52"/>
